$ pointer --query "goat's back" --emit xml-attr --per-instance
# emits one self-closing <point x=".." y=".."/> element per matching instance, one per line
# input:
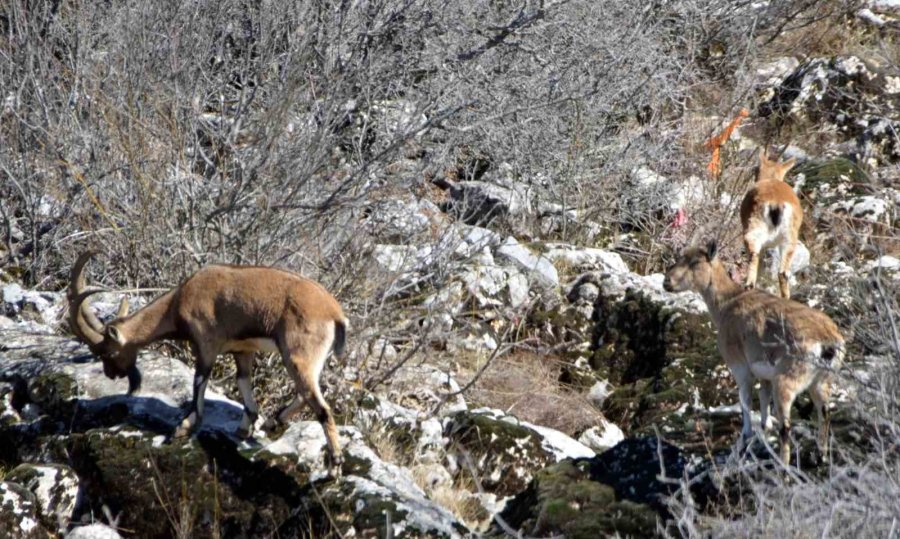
<point x="252" y="301"/>
<point x="776" y="323"/>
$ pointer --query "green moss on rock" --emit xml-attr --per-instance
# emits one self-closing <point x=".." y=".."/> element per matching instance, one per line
<point x="505" y="453"/>
<point x="562" y="499"/>
<point x="202" y="484"/>
<point x="53" y="392"/>
<point x="663" y="363"/>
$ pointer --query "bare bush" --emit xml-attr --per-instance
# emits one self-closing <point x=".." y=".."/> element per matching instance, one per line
<point x="172" y="136"/>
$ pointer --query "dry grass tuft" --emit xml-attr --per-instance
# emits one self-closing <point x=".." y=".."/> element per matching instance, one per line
<point x="457" y="497"/>
<point x="527" y="386"/>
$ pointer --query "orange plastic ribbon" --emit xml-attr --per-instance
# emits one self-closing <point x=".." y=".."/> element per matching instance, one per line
<point x="715" y="143"/>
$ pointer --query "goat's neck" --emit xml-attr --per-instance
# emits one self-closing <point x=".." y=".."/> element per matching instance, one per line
<point x="151" y="323"/>
<point x="720" y="291"/>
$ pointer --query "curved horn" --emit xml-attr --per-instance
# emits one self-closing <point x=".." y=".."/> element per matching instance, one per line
<point x="123" y="308"/>
<point x="82" y="320"/>
<point x="76" y="286"/>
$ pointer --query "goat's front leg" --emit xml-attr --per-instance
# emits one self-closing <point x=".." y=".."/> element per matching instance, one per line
<point x="205" y="358"/>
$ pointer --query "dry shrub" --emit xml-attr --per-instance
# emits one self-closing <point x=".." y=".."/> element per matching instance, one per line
<point x="836" y="33"/>
<point x="456" y="497"/>
<point x="527" y="386"/>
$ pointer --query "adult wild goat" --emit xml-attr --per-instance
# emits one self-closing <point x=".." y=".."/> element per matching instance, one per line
<point x="771" y="217"/>
<point x="225" y="309"/>
<point x="788" y="346"/>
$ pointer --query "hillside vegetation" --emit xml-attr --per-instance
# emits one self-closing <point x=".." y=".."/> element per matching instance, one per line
<point x="491" y="190"/>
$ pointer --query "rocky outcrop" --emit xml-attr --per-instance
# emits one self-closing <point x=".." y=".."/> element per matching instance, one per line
<point x="619" y="492"/>
<point x="120" y="456"/>
<point x="857" y="98"/>
<point x="55" y="489"/>
<point x="503" y="451"/>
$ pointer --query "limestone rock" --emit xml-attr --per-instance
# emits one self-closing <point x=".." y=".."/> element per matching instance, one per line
<point x="481" y="203"/>
<point x="19" y="513"/>
<point x="859" y="98"/>
<point x="601" y="437"/>
<point x="93" y="531"/>
<point x="504" y="451"/>
<point x="55" y="488"/>
<point x="537" y="267"/>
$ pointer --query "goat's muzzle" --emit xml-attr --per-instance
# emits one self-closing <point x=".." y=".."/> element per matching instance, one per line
<point x="112" y="372"/>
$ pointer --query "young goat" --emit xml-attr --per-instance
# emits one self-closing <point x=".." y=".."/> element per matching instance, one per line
<point x="771" y="217"/>
<point x="225" y="309"/>
<point x="787" y="346"/>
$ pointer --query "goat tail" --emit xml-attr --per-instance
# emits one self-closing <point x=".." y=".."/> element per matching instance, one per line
<point x="340" y="336"/>
<point x="833" y="354"/>
<point x="774" y="212"/>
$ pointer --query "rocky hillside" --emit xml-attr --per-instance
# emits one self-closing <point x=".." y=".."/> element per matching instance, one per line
<point x="492" y="192"/>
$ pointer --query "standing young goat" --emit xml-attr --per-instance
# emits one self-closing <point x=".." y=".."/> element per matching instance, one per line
<point x="225" y="309"/>
<point x="786" y="345"/>
<point x="771" y="217"/>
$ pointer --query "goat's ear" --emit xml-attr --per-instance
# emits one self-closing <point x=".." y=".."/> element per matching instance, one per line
<point x="711" y="250"/>
<point x="789" y="164"/>
<point x="762" y="155"/>
<point x="115" y="334"/>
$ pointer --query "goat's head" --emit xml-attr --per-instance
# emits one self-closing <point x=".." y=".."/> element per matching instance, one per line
<point x="108" y="342"/>
<point x="693" y="270"/>
<point x="771" y="169"/>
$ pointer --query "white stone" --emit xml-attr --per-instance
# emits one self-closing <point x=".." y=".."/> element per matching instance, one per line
<point x="585" y="256"/>
<point x="93" y="531"/>
<point x="13" y="293"/>
<point x="598" y="392"/>
<point x="537" y="267"/>
<point x="382" y="478"/>
<point x="866" y="207"/>
<point x="799" y="263"/>
<point x="602" y="437"/>
<point x="558" y="444"/>
<point x="772" y="73"/>
<point x="395" y="258"/>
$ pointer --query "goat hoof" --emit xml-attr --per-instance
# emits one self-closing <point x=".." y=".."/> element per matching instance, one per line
<point x="335" y="466"/>
<point x="243" y="433"/>
<point x="183" y="431"/>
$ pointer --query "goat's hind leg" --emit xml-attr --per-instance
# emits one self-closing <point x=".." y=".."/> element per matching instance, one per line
<point x="753" y="248"/>
<point x="305" y="372"/>
<point x="820" y="393"/>
<point x="784" y="280"/>
<point x="784" y="400"/>
<point x="244" y="363"/>
<point x="765" y="401"/>
<point x="310" y="387"/>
